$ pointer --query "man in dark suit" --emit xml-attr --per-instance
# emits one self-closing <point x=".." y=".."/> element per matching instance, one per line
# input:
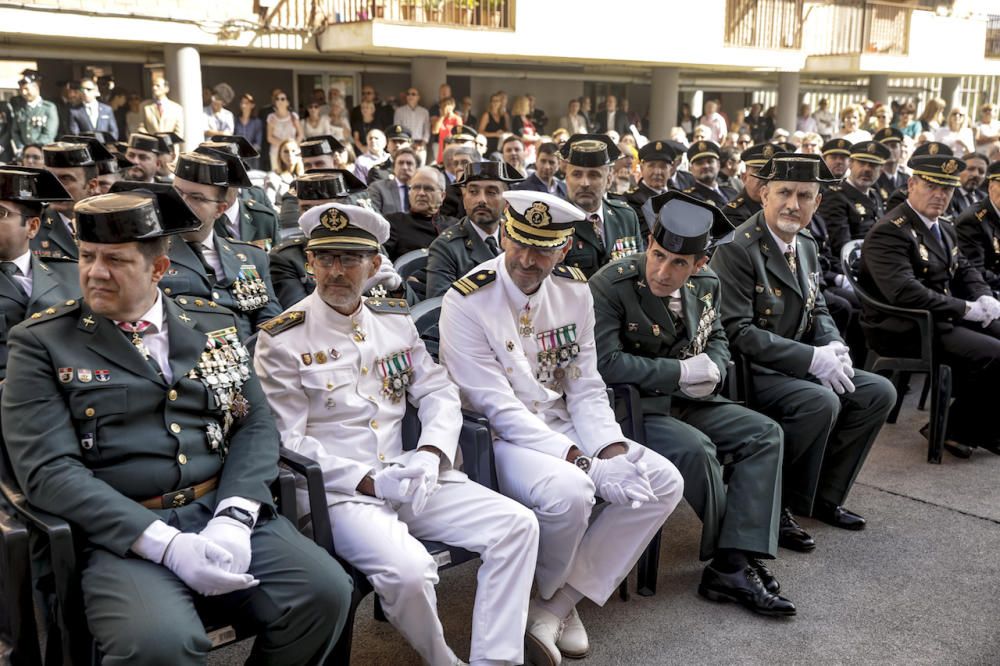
<point x="891" y="177"/>
<point x="611" y="118"/>
<point x="543" y="178"/>
<point x="703" y="159"/>
<point x="851" y="207"/>
<point x="392" y="195"/>
<point x="979" y="231"/>
<point x="802" y="377"/>
<point x="92" y="115"/>
<point x="423" y="223"/>
<point x="968" y="193"/>
<point x="611" y="229"/>
<point x="911" y="259"/>
<point x="140" y="421"/>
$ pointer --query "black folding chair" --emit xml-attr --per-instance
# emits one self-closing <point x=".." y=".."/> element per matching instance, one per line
<point x="898" y="369"/>
<point x="425" y="317"/>
<point x="19" y="640"/>
<point x="410" y="263"/>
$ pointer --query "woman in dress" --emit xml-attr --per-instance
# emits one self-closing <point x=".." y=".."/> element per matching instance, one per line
<point x="524" y="127"/>
<point x="957" y="134"/>
<point x="282" y="124"/>
<point x="367" y="123"/>
<point x="494" y="123"/>
<point x="284" y="172"/>
<point x="316" y="124"/>
<point x="249" y="125"/>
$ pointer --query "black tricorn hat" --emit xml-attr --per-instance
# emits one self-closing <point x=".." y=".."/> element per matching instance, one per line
<point x="236" y="170"/>
<point x="64" y="155"/>
<point x="103" y="137"/>
<point x="168" y="140"/>
<point x="500" y="171"/>
<point x="684" y="225"/>
<point x="30" y="185"/>
<point x="590" y="150"/>
<point x="133" y="211"/>
<point x="317" y="146"/>
<point x="243" y="148"/>
<point x="323" y="184"/>
<point x="98" y="151"/>
<point x="147" y="142"/>
<point x="798" y="168"/>
<point x="204" y="168"/>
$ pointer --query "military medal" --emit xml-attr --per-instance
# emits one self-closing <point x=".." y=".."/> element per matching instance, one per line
<point x="102" y="375"/>
<point x="240" y="406"/>
<point x="397" y="374"/>
<point x="510" y="346"/>
<point x="307" y="358"/>
<point x="558" y="351"/>
<point x="996" y="245"/>
<point x="524" y="326"/>
<point x="924" y="256"/>
<point x="859" y="207"/>
<point x="84" y="375"/>
<point x="65" y="375"/>
<point x="320" y="357"/>
<point x="334" y="354"/>
<point x="359" y="335"/>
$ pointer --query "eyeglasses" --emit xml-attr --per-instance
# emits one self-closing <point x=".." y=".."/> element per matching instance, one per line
<point x="347" y="261"/>
<point x="196" y="197"/>
<point x="4" y="214"/>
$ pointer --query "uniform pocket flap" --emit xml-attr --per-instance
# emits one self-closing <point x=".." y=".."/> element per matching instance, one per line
<point x="97" y="402"/>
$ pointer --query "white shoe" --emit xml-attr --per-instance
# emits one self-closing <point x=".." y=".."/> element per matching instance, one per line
<point x="573" y="642"/>
<point x="540" y="640"/>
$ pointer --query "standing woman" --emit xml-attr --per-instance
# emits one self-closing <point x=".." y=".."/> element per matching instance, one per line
<point x="933" y="115"/>
<point x="282" y="124"/>
<point x="284" y="171"/>
<point x="316" y="124"/>
<point x="524" y="127"/>
<point x="366" y="124"/>
<point x="494" y="123"/>
<point x="957" y="135"/>
<point x="988" y="128"/>
<point x="443" y="124"/>
<point x="340" y="129"/>
<point x="249" y="125"/>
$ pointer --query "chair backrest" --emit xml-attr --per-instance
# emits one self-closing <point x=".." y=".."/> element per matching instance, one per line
<point x="410" y="263"/>
<point x="425" y="317"/>
<point x="850" y="259"/>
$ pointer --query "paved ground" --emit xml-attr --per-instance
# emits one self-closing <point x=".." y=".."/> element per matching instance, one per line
<point x="919" y="586"/>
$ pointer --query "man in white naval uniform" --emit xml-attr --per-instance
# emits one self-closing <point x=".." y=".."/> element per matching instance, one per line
<point x="520" y="346"/>
<point x="338" y="370"/>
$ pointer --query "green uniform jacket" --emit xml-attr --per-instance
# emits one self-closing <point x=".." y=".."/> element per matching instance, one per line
<point x="454" y="253"/>
<point x="91" y="427"/>
<point x="772" y="317"/>
<point x="258" y="222"/>
<point x="242" y="263"/>
<point x="53" y="282"/>
<point x="623" y="235"/>
<point x="54" y="238"/>
<point x="37" y="124"/>
<point x="637" y="342"/>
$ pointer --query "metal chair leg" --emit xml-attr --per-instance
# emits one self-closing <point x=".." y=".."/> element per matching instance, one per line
<point x="899" y="380"/>
<point x="648" y="569"/>
<point x="940" y="377"/>
<point x="923" y="394"/>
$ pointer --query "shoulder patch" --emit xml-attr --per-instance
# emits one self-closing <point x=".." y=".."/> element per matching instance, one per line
<point x="471" y="283"/>
<point x="569" y="273"/>
<point x="688" y="190"/>
<point x="899" y="221"/>
<point x="981" y="214"/>
<point x="193" y="304"/>
<point x="283" y="322"/>
<point x="388" y="305"/>
<point x="735" y="203"/>
<point x="61" y="310"/>
<point x="622" y="270"/>
<point x="617" y="202"/>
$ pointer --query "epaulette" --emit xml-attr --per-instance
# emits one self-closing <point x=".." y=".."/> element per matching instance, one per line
<point x="198" y="304"/>
<point x="835" y="188"/>
<point x="301" y="240"/>
<point x="623" y="270"/>
<point x="619" y="200"/>
<point x="235" y="241"/>
<point x="899" y="221"/>
<point x="688" y="190"/>
<point x="283" y="322"/>
<point x="735" y="203"/>
<point x="58" y="257"/>
<point x="471" y="283"/>
<point x="981" y="214"/>
<point x="705" y="273"/>
<point x="569" y="273"/>
<point x="388" y="305"/>
<point x="64" y="308"/>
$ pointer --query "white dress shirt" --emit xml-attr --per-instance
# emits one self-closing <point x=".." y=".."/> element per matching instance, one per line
<point x="211" y="255"/>
<point x="233" y="215"/>
<point x="23" y="278"/>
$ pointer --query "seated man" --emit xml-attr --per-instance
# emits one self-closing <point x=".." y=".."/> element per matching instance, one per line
<point x="747" y="203"/>
<point x="476" y="238"/>
<point x="28" y="283"/>
<point x="657" y="326"/>
<point x="117" y="419"/>
<point x="248" y="216"/>
<point x="520" y="346"/>
<point x="911" y="259"/>
<point x="979" y="231"/>
<point x="75" y="168"/>
<point x="776" y="317"/>
<point x="322" y="364"/>
<point x="421" y="225"/>
<point x="851" y="207"/>
<point x="704" y="161"/>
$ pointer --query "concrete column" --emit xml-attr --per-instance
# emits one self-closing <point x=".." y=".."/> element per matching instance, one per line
<point x="426" y="75"/>
<point x="663" y="97"/>
<point x="183" y="71"/>
<point x="878" y="88"/>
<point x="788" y="100"/>
<point x="951" y="91"/>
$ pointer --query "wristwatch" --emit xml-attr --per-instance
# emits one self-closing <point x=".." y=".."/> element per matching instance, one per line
<point x="583" y="462"/>
<point x="237" y="514"/>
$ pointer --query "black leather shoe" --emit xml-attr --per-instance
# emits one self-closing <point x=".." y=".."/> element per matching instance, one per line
<point x="952" y="446"/>
<point x="771" y="583"/>
<point x="838" y="516"/>
<point x="793" y="537"/>
<point x="745" y="588"/>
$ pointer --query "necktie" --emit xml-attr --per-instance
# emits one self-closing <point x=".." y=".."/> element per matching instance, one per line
<point x="135" y="329"/>
<point x="10" y="269"/>
<point x="936" y="230"/>
<point x="491" y="243"/>
<point x="159" y="108"/>
<point x="790" y="258"/>
<point x="197" y="248"/>
<point x="595" y="220"/>
<point x="406" y="198"/>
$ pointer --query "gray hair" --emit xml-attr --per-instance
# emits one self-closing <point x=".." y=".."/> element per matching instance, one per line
<point x="436" y="174"/>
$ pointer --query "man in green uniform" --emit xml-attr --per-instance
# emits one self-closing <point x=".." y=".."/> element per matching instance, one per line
<point x="74" y="166"/>
<point x="611" y="229"/>
<point x="205" y="267"/>
<point x="36" y="120"/>
<point x="776" y="317"/>
<point x="28" y="283"/>
<point x="658" y="327"/>
<point x="248" y="216"/>
<point x="139" y="420"/>
<point x="144" y="151"/>
<point x="475" y="239"/>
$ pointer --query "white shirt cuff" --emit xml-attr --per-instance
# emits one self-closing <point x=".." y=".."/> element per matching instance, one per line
<point x="153" y="542"/>
<point x="253" y="506"/>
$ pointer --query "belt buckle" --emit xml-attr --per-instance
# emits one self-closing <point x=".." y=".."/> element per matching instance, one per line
<point x="178" y="498"/>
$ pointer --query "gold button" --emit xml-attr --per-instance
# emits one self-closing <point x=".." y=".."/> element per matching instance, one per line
<point x="777" y="292"/>
<point x="381" y="456"/>
<point x="182" y="301"/>
<point x="172" y="394"/>
<point x="372" y="398"/>
<point x="175" y="427"/>
<point x="329" y="385"/>
<point x="182" y="459"/>
<point x="364" y="369"/>
<point x="167" y="291"/>
<point x="374" y="424"/>
<point x="767" y="311"/>
<point x="70" y="302"/>
<point x="215" y="295"/>
<point x="90" y="411"/>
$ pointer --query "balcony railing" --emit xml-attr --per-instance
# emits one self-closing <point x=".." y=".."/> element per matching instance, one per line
<point x="850" y="27"/>
<point x="993" y="36"/>
<point x="494" y="14"/>
<point x="764" y="24"/>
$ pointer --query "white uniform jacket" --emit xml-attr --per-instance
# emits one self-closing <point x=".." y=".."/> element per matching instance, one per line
<point x="323" y="375"/>
<point x="497" y="361"/>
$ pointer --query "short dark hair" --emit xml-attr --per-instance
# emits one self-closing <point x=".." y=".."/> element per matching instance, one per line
<point x="151" y="248"/>
<point x="977" y="156"/>
<point x="406" y="150"/>
<point x="28" y="208"/>
<point x="509" y="139"/>
<point x="548" y="149"/>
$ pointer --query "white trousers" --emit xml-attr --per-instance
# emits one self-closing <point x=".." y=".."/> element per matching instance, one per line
<point x="382" y="542"/>
<point x="592" y="557"/>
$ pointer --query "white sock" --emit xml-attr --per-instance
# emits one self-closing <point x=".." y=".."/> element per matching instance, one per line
<point x="562" y="602"/>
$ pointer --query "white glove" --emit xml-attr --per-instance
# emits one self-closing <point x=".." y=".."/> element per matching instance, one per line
<point x="204" y="566"/>
<point x="622" y="479"/>
<point x="991" y="305"/>
<point x="386" y="276"/>
<point x="842" y="282"/>
<point x="698" y="391"/>
<point x="831" y="364"/>
<point x="234" y="536"/>
<point x="839" y="380"/>
<point x="824" y="361"/>
<point x="403" y="485"/>
<point x="430" y="462"/>
<point x="699" y="369"/>
<point x="843" y="352"/>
